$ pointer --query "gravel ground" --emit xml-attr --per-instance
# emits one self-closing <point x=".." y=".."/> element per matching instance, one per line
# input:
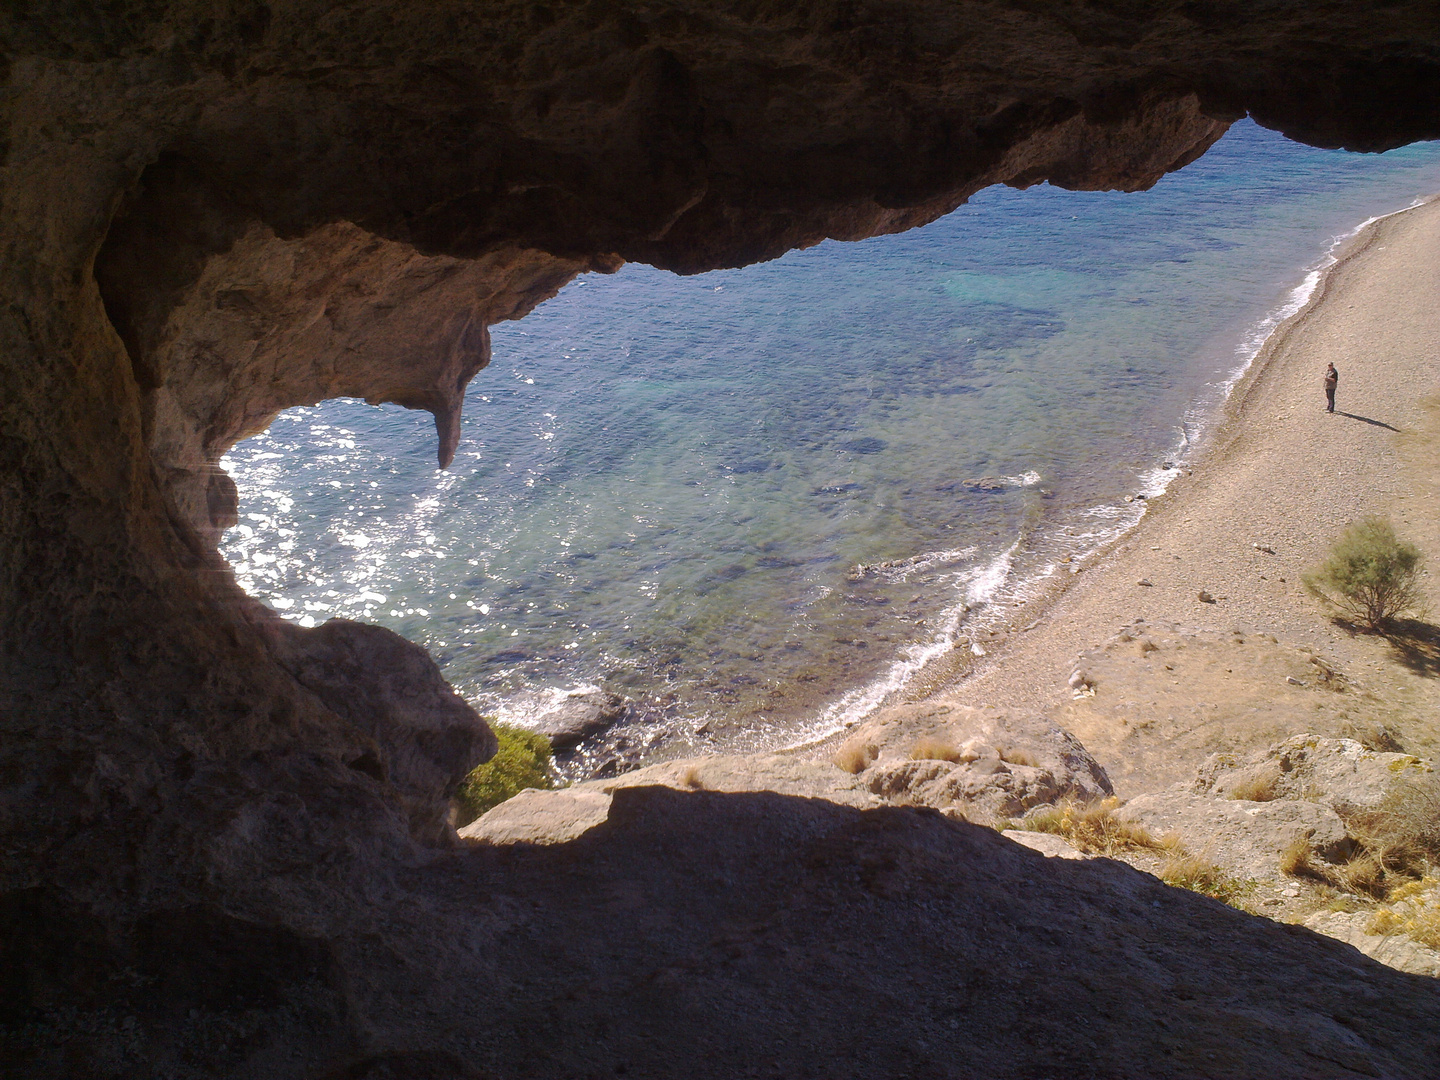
<point x="1283" y="474"/>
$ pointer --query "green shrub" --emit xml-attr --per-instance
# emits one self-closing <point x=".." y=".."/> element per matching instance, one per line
<point x="1370" y="575"/>
<point x="523" y="761"/>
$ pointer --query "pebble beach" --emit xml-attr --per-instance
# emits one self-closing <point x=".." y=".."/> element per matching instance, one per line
<point x="1280" y="479"/>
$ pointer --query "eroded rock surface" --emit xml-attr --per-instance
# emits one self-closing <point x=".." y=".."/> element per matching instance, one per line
<point x="1247" y="839"/>
<point x="212" y="211"/>
<point x="1393" y="950"/>
<point x="984" y="765"/>
<point x="1339" y="773"/>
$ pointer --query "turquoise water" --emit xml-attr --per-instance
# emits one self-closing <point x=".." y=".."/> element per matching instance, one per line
<point x="665" y="485"/>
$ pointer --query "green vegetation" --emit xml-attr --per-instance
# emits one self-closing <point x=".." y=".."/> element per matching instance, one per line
<point x="1370" y="576"/>
<point x="523" y="761"/>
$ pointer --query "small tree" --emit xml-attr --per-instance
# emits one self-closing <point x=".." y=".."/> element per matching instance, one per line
<point x="523" y="761"/>
<point x="1370" y="575"/>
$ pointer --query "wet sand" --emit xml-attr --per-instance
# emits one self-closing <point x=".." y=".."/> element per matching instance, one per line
<point x="1281" y="473"/>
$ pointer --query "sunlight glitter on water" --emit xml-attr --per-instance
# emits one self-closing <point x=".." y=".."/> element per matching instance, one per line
<point x="665" y="485"/>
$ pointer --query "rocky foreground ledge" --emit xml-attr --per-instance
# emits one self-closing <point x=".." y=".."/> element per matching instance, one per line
<point x="224" y="847"/>
<point x="1241" y="747"/>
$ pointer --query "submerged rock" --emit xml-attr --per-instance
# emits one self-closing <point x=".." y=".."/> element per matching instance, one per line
<point x="567" y="718"/>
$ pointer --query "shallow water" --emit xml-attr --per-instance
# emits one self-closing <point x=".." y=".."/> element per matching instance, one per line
<point x="665" y="485"/>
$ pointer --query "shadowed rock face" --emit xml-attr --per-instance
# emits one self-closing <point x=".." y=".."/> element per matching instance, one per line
<point x="212" y="210"/>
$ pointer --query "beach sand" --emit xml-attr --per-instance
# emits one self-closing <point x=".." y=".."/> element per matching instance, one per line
<point x="1281" y="473"/>
<point x="1175" y="679"/>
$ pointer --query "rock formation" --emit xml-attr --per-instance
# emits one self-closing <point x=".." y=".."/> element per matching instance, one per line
<point x="213" y="822"/>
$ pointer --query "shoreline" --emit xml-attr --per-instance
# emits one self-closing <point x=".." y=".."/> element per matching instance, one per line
<point x="947" y="667"/>
<point x="1023" y="666"/>
<point x="1206" y="667"/>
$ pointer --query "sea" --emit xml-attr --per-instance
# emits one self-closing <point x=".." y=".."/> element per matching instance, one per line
<point x="760" y="503"/>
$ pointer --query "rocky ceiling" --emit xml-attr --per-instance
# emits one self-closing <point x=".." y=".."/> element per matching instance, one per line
<point x="212" y="210"/>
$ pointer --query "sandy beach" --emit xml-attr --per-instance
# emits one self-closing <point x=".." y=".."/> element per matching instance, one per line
<point x="1278" y="473"/>
<point x="1240" y="730"/>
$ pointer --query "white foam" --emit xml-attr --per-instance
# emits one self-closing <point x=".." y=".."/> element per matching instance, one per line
<point x="528" y="709"/>
<point x="977" y="584"/>
<point x="984" y="585"/>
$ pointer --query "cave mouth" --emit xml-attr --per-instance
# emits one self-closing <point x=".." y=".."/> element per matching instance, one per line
<point x="233" y="829"/>
<point x="664" y="485"/>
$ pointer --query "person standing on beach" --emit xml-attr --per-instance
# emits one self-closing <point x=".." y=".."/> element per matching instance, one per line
<point x="1331" y="378"/>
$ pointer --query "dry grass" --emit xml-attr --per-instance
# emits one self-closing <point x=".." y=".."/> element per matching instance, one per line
<point x="855" y="757"/>
<point x="1414" y="911"/>
<point x="934" y="750"/>
<point x="1262" y="787"/>
<point x="1376" y="869"/>
<point x="691" y="777"/>
<point x="1199" y="874"/>
<point x="1019" y="757"/>
<point x="1410" y="815"/>
<point x="1094" y="828"/>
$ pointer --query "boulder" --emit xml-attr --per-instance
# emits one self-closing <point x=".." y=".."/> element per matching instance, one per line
<point x="540" y="817"/>
<point x="986" y="765"/>
<point x="565" y="717"/>
<point x="1246" y="839"/>
<point x="787" y="774"/>
<point x="1340" y="773"/>
<point x="1394" y="950"/>
<point x="1048" y="844"/>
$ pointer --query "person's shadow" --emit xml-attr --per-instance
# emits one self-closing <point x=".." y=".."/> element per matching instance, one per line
<point x="1367" y="420"/>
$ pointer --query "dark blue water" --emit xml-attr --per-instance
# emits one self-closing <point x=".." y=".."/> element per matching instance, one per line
<point x="665" y="485"/>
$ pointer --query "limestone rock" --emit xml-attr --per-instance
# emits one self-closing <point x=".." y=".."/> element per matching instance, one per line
<point x="213" y="211"/>
<point x="1393" y="950"/>
<point x="1048" y="844"/>
<point x="426" y="736"/>
<point x="896" y="778"/>
<point x="993" y="767"/>
<point x="785" y="773"/>
<point x="1245" y="838"/>
<point x="1339" y="773"/>
<point x="565" y="717"/>
<point x="540" y="817"/>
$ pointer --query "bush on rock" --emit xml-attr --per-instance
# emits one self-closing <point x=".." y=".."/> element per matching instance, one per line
<point x="523" y="761"/>
<point x="1371" y="575"/>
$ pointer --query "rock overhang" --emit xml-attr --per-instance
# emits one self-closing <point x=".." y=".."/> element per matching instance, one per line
<point x="214" y="210"/>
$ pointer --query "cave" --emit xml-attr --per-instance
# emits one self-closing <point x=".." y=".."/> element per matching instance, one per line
<point x="227" y="839"/>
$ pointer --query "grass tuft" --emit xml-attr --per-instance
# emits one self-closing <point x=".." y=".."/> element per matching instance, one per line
<point x="1199" y="874"/>
<point x="1262" y="787"/>
<point x="934" y="750"/>
<point x="523" y="761"/>
<point x="1412" y="912"/>
<point x="855" y="757"/>
<point x="1019" y="757"/>
<point x="1376" y="868"/>
<point x="1093" y="828"/>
